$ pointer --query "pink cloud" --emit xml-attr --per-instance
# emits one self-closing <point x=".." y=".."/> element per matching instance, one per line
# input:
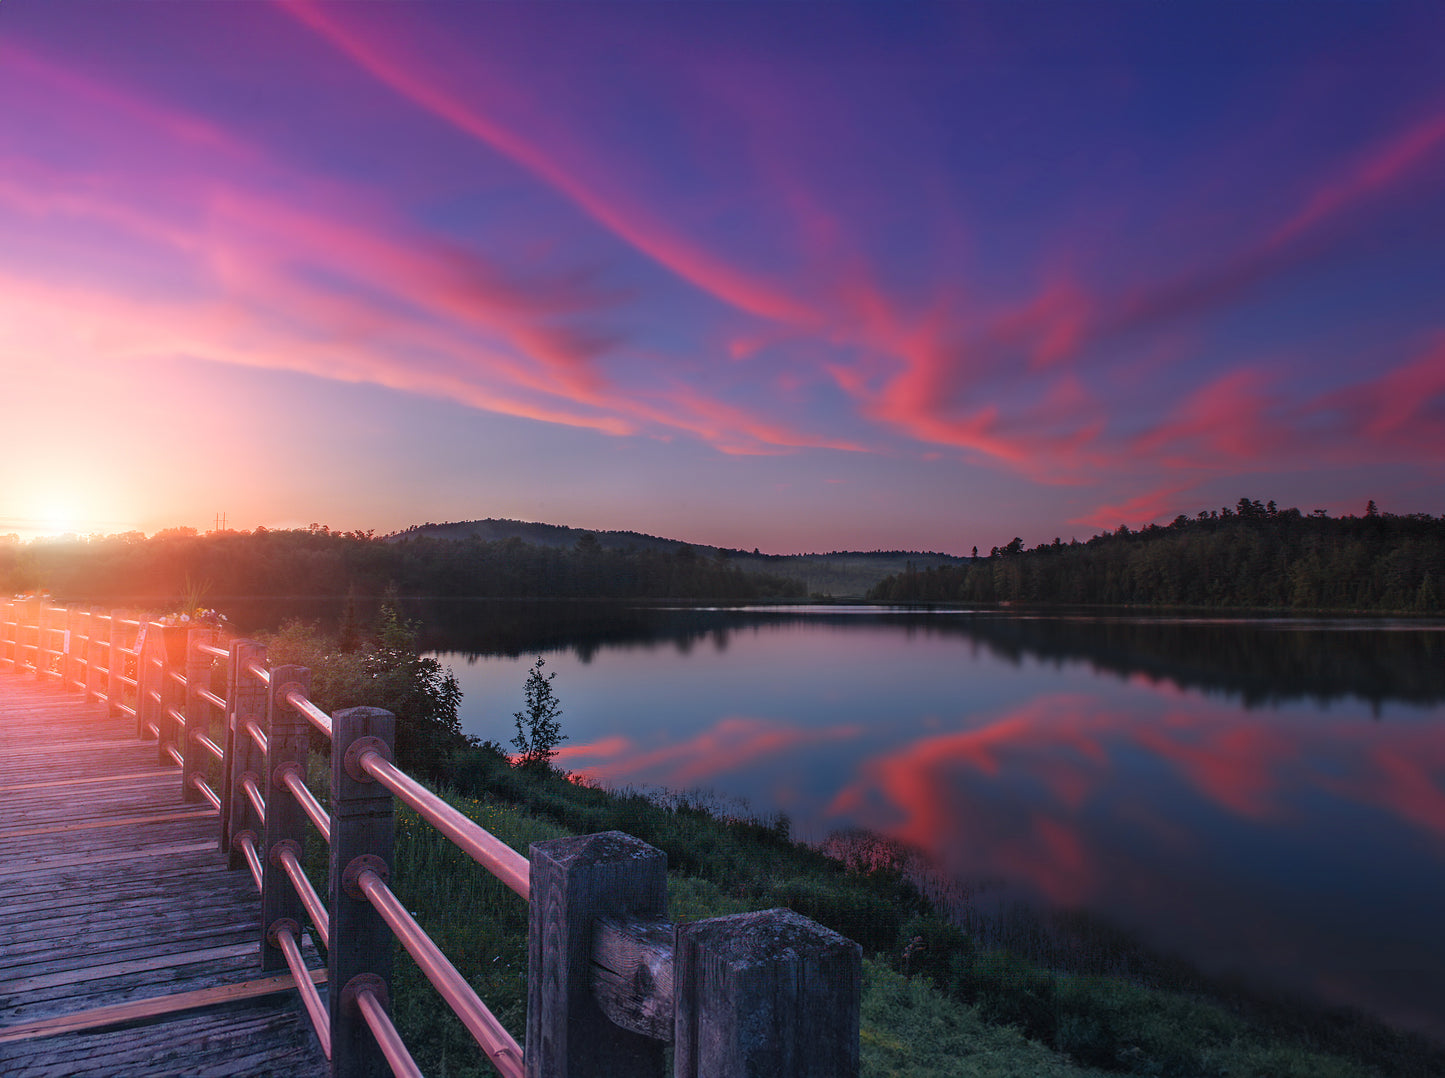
<point x="971" y="798"/>
<point x="729" y="744"/>
<point x="107" y="103"/>
<point x="1146" y="508"/>
<point x="387" y="61"/>
<point x="1387" y="162"/>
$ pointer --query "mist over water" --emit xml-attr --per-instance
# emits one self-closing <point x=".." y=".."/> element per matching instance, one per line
<point x="1264" y="798"/>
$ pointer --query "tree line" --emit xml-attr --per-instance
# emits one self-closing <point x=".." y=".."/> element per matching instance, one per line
<point x="1250" y="556"/>
<point x="319" y="562"/>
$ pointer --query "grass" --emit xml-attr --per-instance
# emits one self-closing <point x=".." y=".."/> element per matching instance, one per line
<point x="933" y="1003"/>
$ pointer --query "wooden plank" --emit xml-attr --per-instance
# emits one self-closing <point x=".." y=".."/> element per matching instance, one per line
<point x="126" y="946"/>
<point x="136" y="965"/>
<point x="130" y="777"/>
<point x="85" y="825"/>
<point x="44" y="865"/>
<point x="261" y="1040"/>
<point x="156" y="1006"/>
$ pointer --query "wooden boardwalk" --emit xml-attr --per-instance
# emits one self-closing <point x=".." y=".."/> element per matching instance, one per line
<point x="126" y="945"/>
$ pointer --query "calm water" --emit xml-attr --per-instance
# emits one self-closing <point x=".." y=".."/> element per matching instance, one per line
<point x="1263" y="798"/>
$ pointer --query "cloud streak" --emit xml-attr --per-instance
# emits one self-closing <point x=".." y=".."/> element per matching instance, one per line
<point x="679" y="227"/>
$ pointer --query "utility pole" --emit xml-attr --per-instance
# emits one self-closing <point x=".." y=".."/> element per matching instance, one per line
<point x="220" y="522"/>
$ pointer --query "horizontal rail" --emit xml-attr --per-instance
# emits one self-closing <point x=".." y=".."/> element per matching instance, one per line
<point x="125" y="709"/>
<point x="315" y="1009"/>
<point x="259" y="672"/>
<point x="257" y="735"/>
<point x="285" y="854"/>
<point x="501" y="1049"/>
<point x="318" y="718"/>
<point x="177" y="677"/>
<point x="387" y="1038"/>
<point x="205" y="790"/>
<point x="176" y="714"/>
<point x="129" y="681"/>
<point x="153" y="729"/>
<point x="211" y="698"/>
<point x="291" y="778"/>
<point x="247" y="842"/>
<point x="210" y="746"/>
<point x="475" y="841"/>
<point x="211" y="649"/>
<point x="170" y="750"/>
<point x="254" y="796"/>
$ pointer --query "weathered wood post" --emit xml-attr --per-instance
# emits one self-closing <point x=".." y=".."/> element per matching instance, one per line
<point x="288" y="740"/>
<point x="42" y="638"/>
<point x="247" y="698"/>
<point x="115" y="666"/>
<point x="145" y="680"/>
<point x="573" y="882"/>
<point x="74" y="648"/>
<point x="766" y="995"/>
<point x="69" y="645"/>
<point x="362" y="835"/>
<point x="173" y="698"/>
<point x="7" y="613"/>
<point x="92" y="656"/>
<point x="198" y="668"/>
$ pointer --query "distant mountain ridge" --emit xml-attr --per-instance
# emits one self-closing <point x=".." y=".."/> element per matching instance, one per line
<point x="839" y="573"/>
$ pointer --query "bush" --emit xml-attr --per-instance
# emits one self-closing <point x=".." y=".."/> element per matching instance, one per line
<point x="382" y="670"/>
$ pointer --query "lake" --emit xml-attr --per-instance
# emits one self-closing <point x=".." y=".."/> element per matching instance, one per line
<point x="1265" y="798"/>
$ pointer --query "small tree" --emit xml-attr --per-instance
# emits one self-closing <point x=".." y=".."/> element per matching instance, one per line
<point x="538" y="731"/>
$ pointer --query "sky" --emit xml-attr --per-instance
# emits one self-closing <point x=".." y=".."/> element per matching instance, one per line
<point x="799" y="276"/>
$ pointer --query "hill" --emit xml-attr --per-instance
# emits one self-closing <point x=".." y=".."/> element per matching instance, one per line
<point x="838" y="574"/>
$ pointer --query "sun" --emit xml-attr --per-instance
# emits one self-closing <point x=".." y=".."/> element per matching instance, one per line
<point x="55" y="517"/>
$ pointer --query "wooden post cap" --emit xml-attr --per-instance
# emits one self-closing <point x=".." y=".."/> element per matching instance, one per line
<point x="766" y="995"/>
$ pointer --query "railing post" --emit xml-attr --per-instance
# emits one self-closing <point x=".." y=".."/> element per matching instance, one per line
<point x="68" y="642"/>
<point x="7" y="611"/>
<point x="362" y="833"/>
<point x="765" y="995"/>
<point x="573" y="882"/>
<point x="145" y="679"/>
<point x="42" y="639"/>
<point x="92" y="694"/>
<point x="198" y="666"/>
<point x="287" y="743"/>
<point x="115" y="667"/>
<point x="74" y="649"/>
<point x="173" y="697"/>
<point x="247" y="698"/>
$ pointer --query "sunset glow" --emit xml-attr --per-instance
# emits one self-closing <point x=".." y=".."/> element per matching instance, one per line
<point x="802" y="277"/>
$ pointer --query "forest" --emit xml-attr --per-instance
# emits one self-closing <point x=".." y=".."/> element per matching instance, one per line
<point x="1253" y="556"/>
<point x="179" y="565"/>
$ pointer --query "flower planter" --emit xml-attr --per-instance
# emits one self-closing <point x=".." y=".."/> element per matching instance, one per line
<point x="175" y="638"/>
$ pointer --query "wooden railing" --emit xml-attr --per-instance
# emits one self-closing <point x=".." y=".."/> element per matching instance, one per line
<point x="611" y="982"/>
